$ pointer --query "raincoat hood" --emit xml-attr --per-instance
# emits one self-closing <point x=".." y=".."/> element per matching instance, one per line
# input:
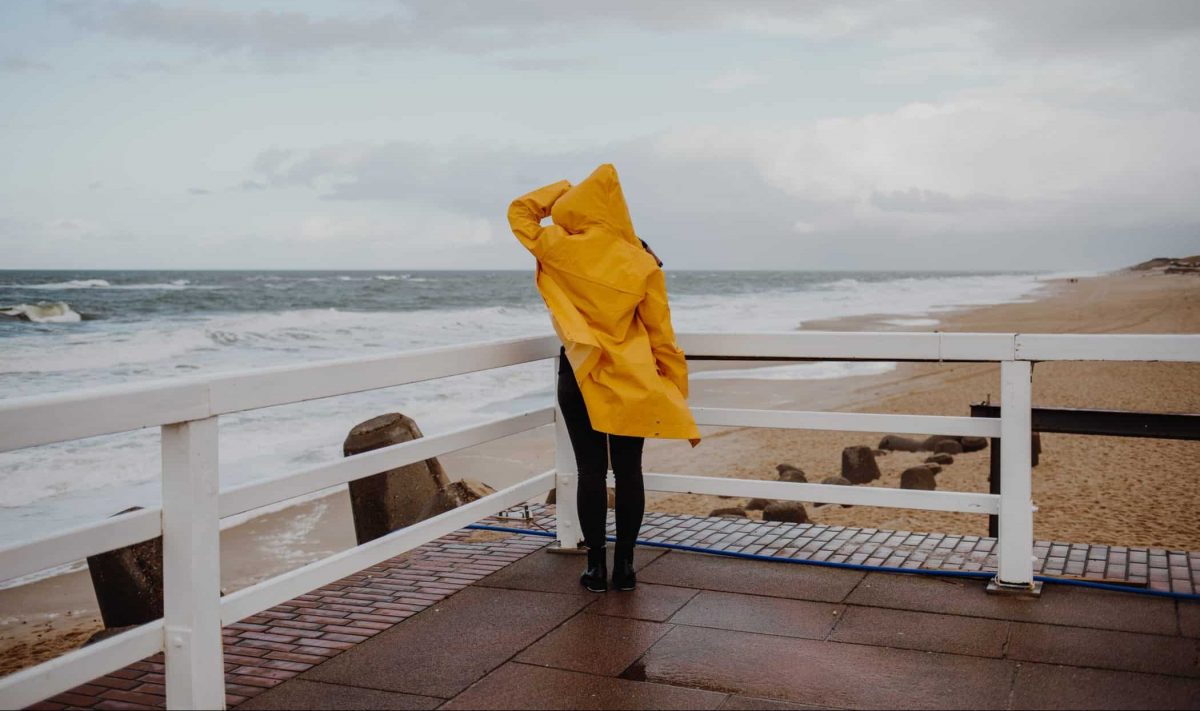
<point x="596" y="202"/>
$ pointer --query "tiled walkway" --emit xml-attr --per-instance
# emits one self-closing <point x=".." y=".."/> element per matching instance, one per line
<point x="323" y="636"/>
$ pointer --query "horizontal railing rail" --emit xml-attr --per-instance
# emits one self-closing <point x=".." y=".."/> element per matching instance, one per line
<point x="45" y="419"/>
<point x="187" y="410"/>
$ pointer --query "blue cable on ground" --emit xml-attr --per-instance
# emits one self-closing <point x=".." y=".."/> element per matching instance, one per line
<point x="979" y="575"/>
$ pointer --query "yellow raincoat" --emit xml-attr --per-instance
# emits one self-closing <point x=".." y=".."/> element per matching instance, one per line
<point x="607" y="298"/>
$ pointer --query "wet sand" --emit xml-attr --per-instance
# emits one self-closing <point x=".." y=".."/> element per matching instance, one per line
<point x="1134" y="492"/>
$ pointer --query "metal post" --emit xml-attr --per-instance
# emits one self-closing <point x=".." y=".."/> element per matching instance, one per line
<point x="994" y="483"/>
<point x="1016" y="495"/>
<point x="566" y="482"/>
<point x="191" y="566"/>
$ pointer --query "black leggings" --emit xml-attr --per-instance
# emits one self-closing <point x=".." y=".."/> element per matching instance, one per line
<point x="592" y="451"/>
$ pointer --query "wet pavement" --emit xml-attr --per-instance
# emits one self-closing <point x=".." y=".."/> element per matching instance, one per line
<point x="702" y="631"/>
<point x="486" y="619"/>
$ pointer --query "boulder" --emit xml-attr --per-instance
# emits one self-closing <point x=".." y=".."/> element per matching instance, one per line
<point x="393" y="499"/>
<point x="836" y="481"/>
<point x="128" y="582"/>
<point x="973" y="444"/>
<point x="930" y="443"/>
<point x="935" y="468"/>
<point x="453" y="495"/>
<point x="789" y="511"/>
<point x="858" y="465"/>
<point x="918" y="478"/>
<point x="939" y="459"/>
<point x="789" y="473"/>
<point x="728" y="511"/>
<point x="899" y="444"/>
<point x="880" y="452"/>
<point x="948" y="446"/>
<point x="757" y="504"/>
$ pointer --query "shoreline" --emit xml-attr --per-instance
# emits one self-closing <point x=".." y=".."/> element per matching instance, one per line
<point x="46" y="617"/>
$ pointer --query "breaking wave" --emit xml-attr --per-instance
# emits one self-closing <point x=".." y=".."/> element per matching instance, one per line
<point x="43" y="312"/>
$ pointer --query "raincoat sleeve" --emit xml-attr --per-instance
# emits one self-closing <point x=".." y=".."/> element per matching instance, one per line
<point x="526" y="213"/>
<point x="655" y="314"/>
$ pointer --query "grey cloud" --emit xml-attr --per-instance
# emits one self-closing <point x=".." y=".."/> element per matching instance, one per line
<point x="214" y="29"/>
<point x="17" y="63"/>
<point x="199" y="191"/>
<point x="688" y="206"/>
<point x="1089" y="24"/>
<point x="481" y="27"/>
<point x="706" y="211"/>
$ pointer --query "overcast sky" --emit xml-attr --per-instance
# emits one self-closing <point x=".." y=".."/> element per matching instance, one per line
<point x="381" y="134"/>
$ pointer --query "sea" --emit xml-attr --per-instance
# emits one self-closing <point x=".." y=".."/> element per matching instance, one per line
<point x="62" y="331"/>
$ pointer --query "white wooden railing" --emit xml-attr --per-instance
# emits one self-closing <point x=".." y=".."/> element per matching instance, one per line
<point x="186" y="410"/>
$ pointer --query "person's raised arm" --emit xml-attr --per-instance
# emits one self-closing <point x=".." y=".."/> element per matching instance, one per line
<point x="526" y="213"/>
<point x="655" y="314"/>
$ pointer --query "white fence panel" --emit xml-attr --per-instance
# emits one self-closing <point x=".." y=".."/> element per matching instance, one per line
<point x="848" y="421"/>
<point x="280" y="386"/>
<point x="45" y="419"/>
<point x="967" y="502"/>
<point x="1108" y="346"/>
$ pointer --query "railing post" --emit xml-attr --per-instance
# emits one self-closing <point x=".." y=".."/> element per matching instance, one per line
<point x="191" y="566"/>
<point x="1016" y="494"/>
<point x="566" y="479"/>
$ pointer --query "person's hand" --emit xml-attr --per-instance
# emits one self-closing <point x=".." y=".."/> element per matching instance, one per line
<point x="652" y="254"/>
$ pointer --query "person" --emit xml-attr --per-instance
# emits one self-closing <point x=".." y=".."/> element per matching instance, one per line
<point x="621" y="376"/>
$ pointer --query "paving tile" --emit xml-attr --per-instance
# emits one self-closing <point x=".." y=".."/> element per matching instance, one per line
<point x="1047" y="686"/>
<point x="645" y="602"/>
<point x="925" y="631"/>
<point x="522" y="686"/>
<point x="558" y="572"/>
<point x="823" y="673"/>
<point x="711" y="572"/>
<point x="303" y="694"/>
<point x="441" y="650"/>
<point x="1060" y="604"/>
<point x="755" y="613"/>
<point x="750" y="704"/>
<point x="1189" y="618"/>
<point x="594" y="644"/>
<point x="1127" y="651"/>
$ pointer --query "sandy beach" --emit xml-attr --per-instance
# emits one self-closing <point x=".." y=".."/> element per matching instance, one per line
<point x="1136" y="492"/>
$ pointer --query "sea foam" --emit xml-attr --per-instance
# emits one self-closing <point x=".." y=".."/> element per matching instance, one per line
<point x="43" y="312"/>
